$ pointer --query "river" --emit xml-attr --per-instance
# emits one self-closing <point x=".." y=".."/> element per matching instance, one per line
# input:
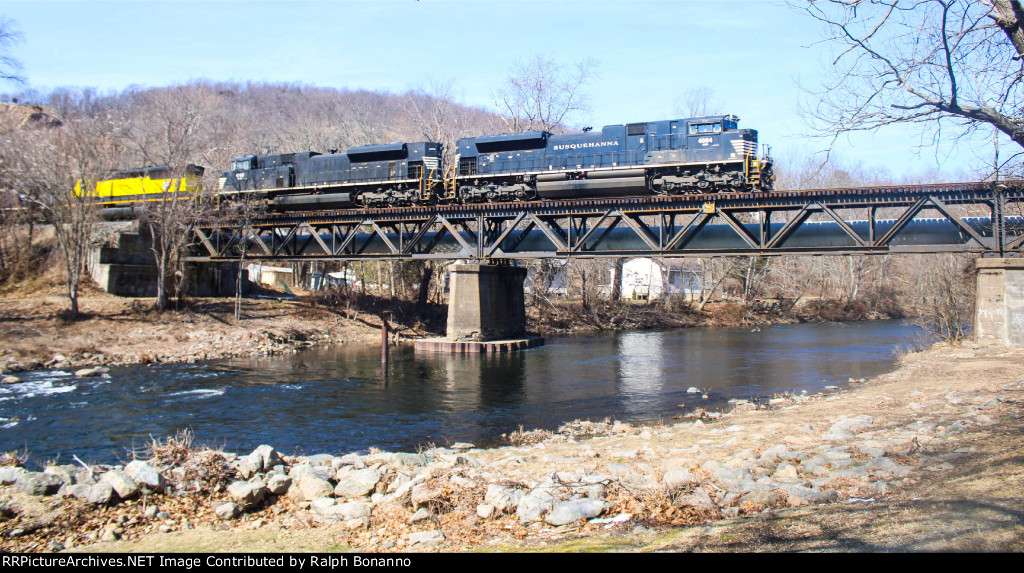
<point x="338" y="399"/>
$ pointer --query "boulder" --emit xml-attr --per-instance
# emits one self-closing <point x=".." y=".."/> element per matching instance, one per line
<point x="310" y="487"/>
<point x="279" y="484"/>
<point x="354" y="460"/>
<point x="101" y="493"/>
<point x="359" y="483"/>
<point x="10" y="380"/>
<point x="426" y="493"/>
<point x="263" y="458"/>
<point x="432" y="537"/>
<point x="10" y="474"/>
<point x="77" y="491"/>
<point x="229" y="510"/>
<point x="145" y="475"/>
<point x="247" y="494"/>
<point x="122" y="483"/>
<point x="574" y="510"/>
<point x="502" y="498"/>
<point x="410" y="460"/>
<point x="697" y="498"/>
<point x="678" y="478"/>
<point x="532" y="507"/>
<point x="38" y="483"/>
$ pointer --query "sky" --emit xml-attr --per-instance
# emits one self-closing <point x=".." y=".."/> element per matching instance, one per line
<point x="752" y="53"/>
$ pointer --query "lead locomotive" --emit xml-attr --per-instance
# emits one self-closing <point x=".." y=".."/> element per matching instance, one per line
<point x="696" y="155"/>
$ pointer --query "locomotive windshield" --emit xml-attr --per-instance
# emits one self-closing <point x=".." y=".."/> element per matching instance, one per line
<point x="697" y="128"/>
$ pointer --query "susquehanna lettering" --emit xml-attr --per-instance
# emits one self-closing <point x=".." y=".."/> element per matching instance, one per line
<point x="586" y="144"/>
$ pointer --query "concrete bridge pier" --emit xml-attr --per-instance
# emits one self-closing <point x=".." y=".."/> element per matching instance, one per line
<point x="999" y="308"/>
<point x="486" y="311"/>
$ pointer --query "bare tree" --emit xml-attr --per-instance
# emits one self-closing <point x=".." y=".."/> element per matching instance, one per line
<point x="10" y="68"/>
<point x="698" y="102"/>
<point x="542" y="94"/>
<point x="936" y="64"/>
<point x="171" y="132"/>
<point x="56" y="171"/>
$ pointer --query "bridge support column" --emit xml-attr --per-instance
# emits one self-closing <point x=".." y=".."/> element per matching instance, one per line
<point x="486" y="311"/>
<point x="999" y="308"/>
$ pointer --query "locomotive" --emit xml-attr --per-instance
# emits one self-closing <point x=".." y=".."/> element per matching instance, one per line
<point x="121" y="189"/>
<point x="696" y="155"/>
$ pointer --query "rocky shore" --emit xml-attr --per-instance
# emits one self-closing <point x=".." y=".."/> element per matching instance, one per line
<point x="877" y="444"/>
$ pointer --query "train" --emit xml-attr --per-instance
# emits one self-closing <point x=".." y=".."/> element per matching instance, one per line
<point x="698" y="155"/>
<point x="122" y="189"/>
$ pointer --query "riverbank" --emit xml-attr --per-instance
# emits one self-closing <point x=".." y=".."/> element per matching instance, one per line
<point x="924" y="458"/>
<point x="118" y="331"/>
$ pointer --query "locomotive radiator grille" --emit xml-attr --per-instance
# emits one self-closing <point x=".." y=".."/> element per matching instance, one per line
<point x="744" y="147"/>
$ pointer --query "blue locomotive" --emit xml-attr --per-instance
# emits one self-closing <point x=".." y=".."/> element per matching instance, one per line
<point x="696" y="155"/>
<point x="391" y="175"/>
<point x="701" y="154"/>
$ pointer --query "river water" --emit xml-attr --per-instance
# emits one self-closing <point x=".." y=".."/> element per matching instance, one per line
<point x="338" y="399"/>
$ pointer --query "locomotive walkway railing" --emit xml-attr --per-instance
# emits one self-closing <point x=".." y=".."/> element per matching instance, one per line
<point x="978" y="217"/>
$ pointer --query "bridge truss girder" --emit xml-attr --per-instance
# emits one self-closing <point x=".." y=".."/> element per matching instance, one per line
<point x="743" y="224"/>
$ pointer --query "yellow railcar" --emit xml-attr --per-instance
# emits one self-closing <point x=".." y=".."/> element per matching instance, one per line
<point x="122" y="188"/>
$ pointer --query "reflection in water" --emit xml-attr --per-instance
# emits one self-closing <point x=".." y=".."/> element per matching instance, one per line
<point x="336" y="400"/>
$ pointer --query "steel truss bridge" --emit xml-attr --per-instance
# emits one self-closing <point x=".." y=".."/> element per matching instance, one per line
<point x="980" y="217"/>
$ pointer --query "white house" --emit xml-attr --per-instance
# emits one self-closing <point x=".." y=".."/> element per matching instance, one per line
<point x="648" y="279"/>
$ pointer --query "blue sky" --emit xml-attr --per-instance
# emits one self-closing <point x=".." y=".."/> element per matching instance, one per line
<point x="751" y="52"/>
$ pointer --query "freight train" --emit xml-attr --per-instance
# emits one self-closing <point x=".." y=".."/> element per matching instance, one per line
<point x="709" y="154"/>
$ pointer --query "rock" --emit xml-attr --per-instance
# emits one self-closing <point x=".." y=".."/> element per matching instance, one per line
<point x="574" y="510"/>
<point x="247" y="494"/>
<point x="101" y="493"/>
<point x="10" y="380"/>
<point x="87" y="372"/>
<point x="279" y="484"/>
<point x="145" y="475"/>
<point x="320" y="460"/>
<point x="699" y="499"/>
<point x="229" y="510"/>
<point x="122" y="483"/>
<point x="678" y="478"/>
<point x="532" y="507"/>
<point x="263" y="458"/>
<point x="425" y="493"/>
<point x="420" y="515"/>
<point x="786" y="470"/>
<point x="485" y="511"/>
<point x="760" y="498"/>
<point x="38" y="483"/>
<point x="65" y="473"/>
<point x="359" y="483"/>
<point x="10" y="474"/>
<point x="77" y="491"/>
<point x="773" y="453"/>
<point x="432" y="537"/>
<point x="502" y="498"/>
<point x="886" y="468"/>
<point x="800" y="495"/>
<point x="410" y="460"/>
<point x="693" y="390"/>
<point x="353" y="460"/>
<point x="311" y="487"/>
<point x="353" y="514"/>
